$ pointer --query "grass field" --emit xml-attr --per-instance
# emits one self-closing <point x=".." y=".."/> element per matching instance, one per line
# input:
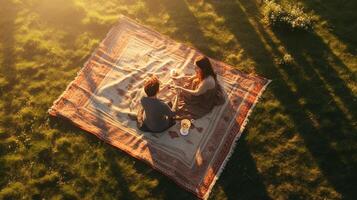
<point x="300" y="142"/>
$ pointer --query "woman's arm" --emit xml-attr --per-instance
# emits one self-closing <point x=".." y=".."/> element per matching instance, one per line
<point x="205" y="85"/>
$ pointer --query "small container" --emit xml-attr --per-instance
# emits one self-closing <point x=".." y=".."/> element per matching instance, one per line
<point x="185" y="126"/>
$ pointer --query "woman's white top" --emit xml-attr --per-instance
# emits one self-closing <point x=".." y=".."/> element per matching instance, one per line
<point x="206" y="84"/>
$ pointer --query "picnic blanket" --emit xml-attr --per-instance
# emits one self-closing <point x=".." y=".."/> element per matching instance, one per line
<point x="110" y="85"/>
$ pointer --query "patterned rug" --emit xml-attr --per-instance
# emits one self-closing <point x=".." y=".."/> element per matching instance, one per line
<point x="110" y="85"/>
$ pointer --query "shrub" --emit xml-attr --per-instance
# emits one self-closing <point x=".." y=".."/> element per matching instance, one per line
<point x="291" y="16"/>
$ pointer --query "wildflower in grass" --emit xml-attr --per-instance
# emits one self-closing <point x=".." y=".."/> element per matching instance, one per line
<point x="286" y="60"/>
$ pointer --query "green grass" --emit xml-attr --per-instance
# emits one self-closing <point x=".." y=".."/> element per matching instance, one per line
<point x="300" y="142"/>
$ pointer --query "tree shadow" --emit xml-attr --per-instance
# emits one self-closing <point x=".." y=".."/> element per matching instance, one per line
<point x="316" y="66"/>
<point x="341" y="22"/>
<point x="330" y="122"/>
<point x="240" y="176"/>
<point x="112" y="155"/>
<point x="333" y="163"/>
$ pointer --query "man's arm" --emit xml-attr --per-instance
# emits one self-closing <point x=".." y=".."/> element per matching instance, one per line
<point x="167" y="110"/>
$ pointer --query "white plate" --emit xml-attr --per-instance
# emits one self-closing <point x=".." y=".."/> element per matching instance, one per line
<point x="184" y="132"/>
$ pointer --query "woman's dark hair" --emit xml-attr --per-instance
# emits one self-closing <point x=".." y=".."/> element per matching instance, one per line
<point x="206" y="67"/>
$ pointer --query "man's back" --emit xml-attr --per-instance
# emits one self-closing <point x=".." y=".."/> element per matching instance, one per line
<point x="157" y="114"/>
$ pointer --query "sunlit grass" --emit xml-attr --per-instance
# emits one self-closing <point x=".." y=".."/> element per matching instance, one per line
<point x="300" y="142"/>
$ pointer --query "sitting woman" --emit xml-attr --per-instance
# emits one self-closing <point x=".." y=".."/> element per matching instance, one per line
<point x="200" y="93"/>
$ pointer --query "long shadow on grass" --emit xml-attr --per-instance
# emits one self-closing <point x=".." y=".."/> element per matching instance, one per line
<point x="340" y="22"/>
<point x="310" y="87"/>
<point x="240" y="178"/>
<point x="316" y="66"/>
<point x="329" y="121"/>
<point x="117" y="171"/>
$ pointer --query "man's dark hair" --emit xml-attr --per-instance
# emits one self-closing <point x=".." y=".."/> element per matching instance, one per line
<point x="152" y="86"/>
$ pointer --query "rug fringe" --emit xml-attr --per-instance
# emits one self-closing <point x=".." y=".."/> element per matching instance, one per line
<point x="205" y="197"/>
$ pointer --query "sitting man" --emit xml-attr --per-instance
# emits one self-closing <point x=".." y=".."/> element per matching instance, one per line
<point x="155" y="115"/>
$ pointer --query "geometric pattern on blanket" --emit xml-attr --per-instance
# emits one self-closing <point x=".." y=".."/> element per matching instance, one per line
<point x="109" y="86"/>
